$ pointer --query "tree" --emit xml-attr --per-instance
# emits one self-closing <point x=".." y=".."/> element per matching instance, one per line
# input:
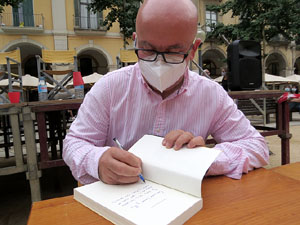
<point x="13" y="3"/>
<point x="122" y="11"/>
<point x="259" y="20"/>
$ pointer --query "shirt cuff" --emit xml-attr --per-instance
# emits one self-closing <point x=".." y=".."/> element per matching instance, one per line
<point x="93" y="162"/>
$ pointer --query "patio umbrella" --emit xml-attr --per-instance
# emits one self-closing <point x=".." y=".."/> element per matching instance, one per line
<point x="269" y="78"/>
<point x="28" y="82"/>
<point x="90" y="79"/>
<point x="218" y="79"/>
<point x="31" y="81"/>
<point x="295" y="77"/>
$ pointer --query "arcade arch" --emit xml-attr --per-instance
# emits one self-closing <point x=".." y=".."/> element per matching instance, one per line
<point x="214" y="60"/>
<point x="276" y="64"/>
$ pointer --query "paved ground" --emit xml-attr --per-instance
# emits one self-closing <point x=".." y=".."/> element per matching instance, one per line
<point x="15" y="200"/>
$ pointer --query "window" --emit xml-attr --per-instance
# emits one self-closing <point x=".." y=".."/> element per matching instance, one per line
<point x="85" y="18"/>
<point x="211" y="18"/>
<point x="23" y="15"/>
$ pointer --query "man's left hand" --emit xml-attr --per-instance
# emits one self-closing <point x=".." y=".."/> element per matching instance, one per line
<point x="178" y="138"/>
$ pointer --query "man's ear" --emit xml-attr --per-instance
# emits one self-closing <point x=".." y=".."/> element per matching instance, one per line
<point x="134" y="36"/>
<point x="196" y="44"/>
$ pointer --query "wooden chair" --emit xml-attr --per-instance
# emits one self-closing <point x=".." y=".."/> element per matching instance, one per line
<point x="57" y="57"/>
<point x="8" y="59"/>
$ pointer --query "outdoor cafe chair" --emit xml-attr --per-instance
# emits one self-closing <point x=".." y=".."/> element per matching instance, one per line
<point x="7" y="59"/>
<point x="60" y="58"/>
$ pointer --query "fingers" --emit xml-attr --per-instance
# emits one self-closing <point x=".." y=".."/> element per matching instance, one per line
<point x="118" y="166"/>
<point x="195" y="142"/>
<point x="126" y="158"/>
<point x="113" y="178"/>
<point x="178" y="138"/>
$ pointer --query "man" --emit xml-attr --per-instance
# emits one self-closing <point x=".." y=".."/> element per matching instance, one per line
<point x="159" y="96"/>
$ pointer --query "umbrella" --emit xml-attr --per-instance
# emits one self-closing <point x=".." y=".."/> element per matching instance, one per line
<point x="27" y="82"/>
<point x="90" y="79"/>
<point x="277" y="79"/>
<point x="294" y="77"/>
<point x="269" y="78"/>
<point x="31" y="81"/>
<point x="219" y="79"/>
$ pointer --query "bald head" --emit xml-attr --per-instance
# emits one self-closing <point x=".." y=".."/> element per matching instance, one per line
<point x="167" y="23"/>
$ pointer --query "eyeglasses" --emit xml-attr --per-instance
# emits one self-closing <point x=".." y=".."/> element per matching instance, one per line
<point x="169" y="57"/>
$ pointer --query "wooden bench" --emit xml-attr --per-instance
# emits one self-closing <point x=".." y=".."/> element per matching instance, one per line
<point x="250" y="108"/>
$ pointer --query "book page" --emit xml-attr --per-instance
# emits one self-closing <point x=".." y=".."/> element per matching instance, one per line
<point x="182" y="170"/>
<point x="138" y="203"/>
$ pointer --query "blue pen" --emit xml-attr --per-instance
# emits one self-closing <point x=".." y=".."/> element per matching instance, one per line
<point x="121" y="147"/>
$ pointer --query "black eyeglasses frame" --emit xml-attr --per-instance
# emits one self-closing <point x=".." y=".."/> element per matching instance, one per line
<point x="185" y="55"/>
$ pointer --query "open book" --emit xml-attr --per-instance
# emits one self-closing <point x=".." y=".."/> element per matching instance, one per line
<point x="171" y="194"/>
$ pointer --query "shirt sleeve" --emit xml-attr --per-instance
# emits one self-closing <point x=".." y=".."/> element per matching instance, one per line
<point x="86" y="139"/>
<point x="242" y="146"/>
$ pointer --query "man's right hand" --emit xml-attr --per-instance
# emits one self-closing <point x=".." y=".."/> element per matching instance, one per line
<point x="117" y="166"/>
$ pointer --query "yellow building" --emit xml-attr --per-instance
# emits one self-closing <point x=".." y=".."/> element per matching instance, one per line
<point x="60" y="25"/>
<point x="68" y="25"/>
<point x="283" y="58"/>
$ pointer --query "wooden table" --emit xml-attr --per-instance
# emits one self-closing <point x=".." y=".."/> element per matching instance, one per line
<point x="260" y="197"/>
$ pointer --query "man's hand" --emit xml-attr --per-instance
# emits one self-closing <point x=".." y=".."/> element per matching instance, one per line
<point x="117" y="166"/>
<point x="178" y="138"/>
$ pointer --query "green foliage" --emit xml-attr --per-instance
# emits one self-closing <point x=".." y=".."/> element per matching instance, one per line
<point x="277" y="18"/>
<point x="13" y="3"/>
<point x="122" y="11"/>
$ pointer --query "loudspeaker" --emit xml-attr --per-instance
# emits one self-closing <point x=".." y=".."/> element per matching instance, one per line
<point x="244" y="65"/>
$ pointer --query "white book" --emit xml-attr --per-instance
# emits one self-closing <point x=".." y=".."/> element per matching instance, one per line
<point x="171" y="194"/>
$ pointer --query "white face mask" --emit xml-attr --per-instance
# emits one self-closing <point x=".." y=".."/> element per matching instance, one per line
<point x="162" y="75"/>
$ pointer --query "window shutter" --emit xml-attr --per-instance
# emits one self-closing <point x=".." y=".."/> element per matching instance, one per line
<point x="28" y="13"/>
<point x="100" y="19"/>
<point x="77" y="13"/>
<point x="16" y="16"/>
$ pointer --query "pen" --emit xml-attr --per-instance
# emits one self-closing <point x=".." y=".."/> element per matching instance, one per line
<point x="121" y="147"/>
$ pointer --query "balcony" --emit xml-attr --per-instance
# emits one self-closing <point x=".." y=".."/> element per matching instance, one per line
<point x="89" y="25"/>
<point x="21" y="23"/>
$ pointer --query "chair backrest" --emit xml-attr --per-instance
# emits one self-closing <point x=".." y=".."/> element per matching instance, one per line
<point x="12" y="54"/>
<point x="52" y="56"/>
<point x="128" y="56"/>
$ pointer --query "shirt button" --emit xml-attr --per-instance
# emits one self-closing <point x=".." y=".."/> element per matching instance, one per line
<point x="157" y="130"/>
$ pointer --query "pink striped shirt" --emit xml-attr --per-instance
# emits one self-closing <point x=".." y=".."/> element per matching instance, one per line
<point x="122" y="105"/>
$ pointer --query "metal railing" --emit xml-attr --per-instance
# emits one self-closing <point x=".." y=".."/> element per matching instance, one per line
<point x="89" y="23"/>
<point x="21" y="20"/>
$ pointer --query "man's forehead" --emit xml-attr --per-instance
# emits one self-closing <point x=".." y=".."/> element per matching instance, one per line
<point x="161" y="46"/>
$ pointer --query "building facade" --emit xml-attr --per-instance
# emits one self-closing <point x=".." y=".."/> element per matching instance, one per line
<point x="283" y="58"/>
<point x="69" y="25"/>
<point x="60" y="25"/>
